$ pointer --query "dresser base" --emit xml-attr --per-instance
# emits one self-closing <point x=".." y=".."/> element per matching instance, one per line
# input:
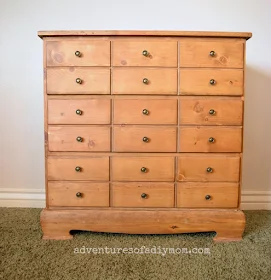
<point x="228" y="224"/>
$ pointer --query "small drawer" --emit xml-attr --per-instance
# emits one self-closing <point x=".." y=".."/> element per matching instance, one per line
<point x="142" y="168"/>
<point x="145" y="111"/>
<point x="207" y="53"/>
<point x="79" y="111"/>
<point x="144" y="81"/>
<point x="210" y="139"/>
<point x="78" y="80"/>
<point x="80" y="194"/>
<point x="78" y="168"/>
<point x="208" y="168"/>
<point x="79" y="138"/>
<point x="145" y="53"/>
<point x="211" y="82"/>
<point x="142" y="195"/>
<point x="211" y="111"/>
<point x="207" y="195"/>
<point x="144" y="139"/>
<point x="78" y="53"/>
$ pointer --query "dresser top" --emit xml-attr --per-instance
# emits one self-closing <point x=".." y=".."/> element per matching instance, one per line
<point x="245" y="35"/>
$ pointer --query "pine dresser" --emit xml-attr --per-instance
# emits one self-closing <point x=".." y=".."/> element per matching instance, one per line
<point x="143" y="132"/>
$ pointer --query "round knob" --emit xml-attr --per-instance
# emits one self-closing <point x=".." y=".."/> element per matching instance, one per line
<point x="78" y="169"/>
<point x="212" y="82"/>
<point x="144" y="195"/>
<point x="77" y="53"/>
<point x="145" y="139"/>
<point x="79" y="139"/>
<point x="145" y="112"/>
<point x="209" y="169"/>
<point x="78" y="81"/>
<point x="79" y="194"/>
<point x="145" y="53"/>
<point x="211" y="140"/>
<point x="207" y="197"/>
<point x="145" y="81"/>
<point x="212" y="112"/>
<point x="212" y="53"/>
<point x="79" y="112"/>
<point x="143" y="169"/>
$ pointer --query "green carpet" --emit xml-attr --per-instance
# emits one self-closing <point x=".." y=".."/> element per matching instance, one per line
<point x="23" y="255"/>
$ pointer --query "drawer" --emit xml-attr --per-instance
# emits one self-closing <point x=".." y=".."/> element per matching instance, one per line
<point x="210" y="139"/>
<point x="207" y="53"/>
<point x="142" y="168"/>
<point x="207" y="195"/>
<point x="79" y="138"/>
<point x="208" y="168"/>
<point x="144" y="139"/>
<point x="211" y="111"/>
<point x="211" y="82"/>
<point x="144" y="81"/>
<point x="78" y="53"/>
<point x="78" y="80"/>
<point x="80" y="194"/>
<point x="142" y="195"/>
<point x="78" y="168"/>
<point x="146" y="53"/>
<point x="79" y="111"/>
<point x="145" y="111"/>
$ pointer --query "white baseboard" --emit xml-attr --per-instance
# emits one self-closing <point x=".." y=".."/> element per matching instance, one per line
<point x="35" y="198"/>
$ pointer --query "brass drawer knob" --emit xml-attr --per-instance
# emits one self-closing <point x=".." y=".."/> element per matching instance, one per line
<point x="209" y="169"/>
<point x="212" y="53"/>
<point x="212" y="112"/>
<point x="144" y="195"/>
<point x="77" y="53"/>
<point x="78" y="169"/>
<point x="207" y="197"/>
<point x="79" y="194"/>
<point x="211" y="140"/>
<point x="145" y="53"/>
<point x="143" y="169"/>
<point x="79" y="139"/>
<point x="145" y="111"/>
<point x="145" y="81"/>
<point x="79" y="112"/>
<point x="212" y="82"/>
<point x="145" y="139"/>
<point x="79" y="81"/>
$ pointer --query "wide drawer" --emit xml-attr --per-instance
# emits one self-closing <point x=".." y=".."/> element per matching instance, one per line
<point x="79" y="111"/>
<point x="144" y="81"/>
<point x="142" y="168"/>
<point x="78" y="168"/>
<point x="211" y="82"/>
<point x="78" y="80"/>
<point x="144" y="139"/>
<point x="146" y="53"/>
<point x="145" y="111"/>
<point x="207" y="53"/>
<point x="78" y="53"/>
<point x="140" y="194"/>
<point x="211" y="110"/>
<point x="207" y="195"/>
<point x="208" y="168"/>
<point x="80" y="194"/>
<point x="79" y="138"/>
<point x="210" y="139"/>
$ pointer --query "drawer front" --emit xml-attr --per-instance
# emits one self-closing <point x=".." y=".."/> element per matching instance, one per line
<point x="207" y="195"/>
<point x="78" y="80"/>
<point x="76" y="111"/>
<point x="206" y="53"/>
<point x="208" y="168"/>
<point x="144" y="81"/>
<point x="211" y="111"/>
<point x="142" y="194"/>
<point x="78" y="168"/>
<point x="210" y="139"/>
<point x="80" y="194"/>
<point x="142" y="168"/>
<point x="145" y="53"/>
<point x="78" y="53"/>
<point x="80" y="139"/>
<point x="145" y="111"/>
<point x="211" y="82"/>
<point x="144" y="139"/>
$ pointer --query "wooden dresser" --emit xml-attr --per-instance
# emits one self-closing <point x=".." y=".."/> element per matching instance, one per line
<point x="143" y="132"/>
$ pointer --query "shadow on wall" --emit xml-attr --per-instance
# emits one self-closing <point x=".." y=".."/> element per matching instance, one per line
<point x="257" y="131"/>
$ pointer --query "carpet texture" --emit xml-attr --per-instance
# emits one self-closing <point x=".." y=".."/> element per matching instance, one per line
<point x="23" y="255"/>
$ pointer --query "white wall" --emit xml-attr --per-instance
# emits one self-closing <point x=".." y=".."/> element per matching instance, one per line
<point x="21" y="87"/>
